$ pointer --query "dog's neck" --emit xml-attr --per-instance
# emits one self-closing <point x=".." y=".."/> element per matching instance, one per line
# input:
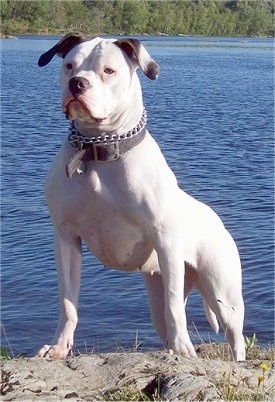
<point x="119" y="123"/>
<point x="80" y="141"/>
<point x="108" y="147"/>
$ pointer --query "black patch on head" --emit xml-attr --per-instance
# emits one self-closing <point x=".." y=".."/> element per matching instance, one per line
<point x="132" y="49"/>
<point x="61" y="48"/>
<point x="152" y="70"/>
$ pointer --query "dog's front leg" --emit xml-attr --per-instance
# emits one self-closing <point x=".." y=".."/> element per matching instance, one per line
<point x="172" y="270"/>
<point x="68" y="255"/>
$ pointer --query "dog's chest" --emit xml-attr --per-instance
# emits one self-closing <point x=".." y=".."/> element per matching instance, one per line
<point x="102" y="209"/>
<point x="116" y="242"/>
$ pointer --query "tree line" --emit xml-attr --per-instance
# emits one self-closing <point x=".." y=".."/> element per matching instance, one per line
<point x="170" y="17"/>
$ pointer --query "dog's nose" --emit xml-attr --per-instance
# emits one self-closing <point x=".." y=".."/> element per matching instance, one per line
<point x="78" y="85"/>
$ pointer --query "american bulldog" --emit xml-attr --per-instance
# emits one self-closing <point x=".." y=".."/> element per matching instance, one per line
<point x="110" y="186"/>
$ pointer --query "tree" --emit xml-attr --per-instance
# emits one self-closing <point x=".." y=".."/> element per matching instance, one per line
<point x="162" y="16"/>
<point x="204" y="17"/>
<point x="135" y="16"/>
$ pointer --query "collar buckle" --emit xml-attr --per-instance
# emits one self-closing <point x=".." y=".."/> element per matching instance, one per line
<point x="106" y="152"/>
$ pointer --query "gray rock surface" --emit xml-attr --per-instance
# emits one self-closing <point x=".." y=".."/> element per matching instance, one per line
<point x="133" y="376"/>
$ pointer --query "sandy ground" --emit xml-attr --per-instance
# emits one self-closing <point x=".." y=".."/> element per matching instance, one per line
<point x="139" y="376"/>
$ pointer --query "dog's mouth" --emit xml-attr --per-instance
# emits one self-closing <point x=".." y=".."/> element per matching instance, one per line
<point x="77" y="109"/>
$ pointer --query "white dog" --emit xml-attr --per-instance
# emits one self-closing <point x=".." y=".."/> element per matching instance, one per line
<point x="110" y="186"/>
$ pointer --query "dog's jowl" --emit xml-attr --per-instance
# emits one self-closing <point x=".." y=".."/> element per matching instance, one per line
<point x="110" y="186"/>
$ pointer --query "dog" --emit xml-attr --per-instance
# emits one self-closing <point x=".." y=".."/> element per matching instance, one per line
<point x="110" y="186"/>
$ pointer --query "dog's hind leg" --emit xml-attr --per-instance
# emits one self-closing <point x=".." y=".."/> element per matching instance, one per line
<point x="222" y="293"/>
<point x="211" y="317"/>
<point x="190" y="278"/>
<point x="228" y="307"/>
<point x="171" y="261"/>
<point x="155" y="290"/>
<point x="231" y="315"/>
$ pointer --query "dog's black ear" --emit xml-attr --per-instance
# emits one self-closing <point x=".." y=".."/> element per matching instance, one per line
<point x="61" y="48"/>
<point x="137" y="53"/>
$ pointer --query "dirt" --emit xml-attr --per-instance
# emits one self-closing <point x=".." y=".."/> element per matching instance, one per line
<point x="140" y="376"/>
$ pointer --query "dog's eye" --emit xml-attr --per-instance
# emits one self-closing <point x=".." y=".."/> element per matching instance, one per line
<point x="69" y="66"/>
<point x="108" y="71"/>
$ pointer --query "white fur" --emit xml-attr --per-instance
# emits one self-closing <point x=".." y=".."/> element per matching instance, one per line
<point x="133" y="216"/>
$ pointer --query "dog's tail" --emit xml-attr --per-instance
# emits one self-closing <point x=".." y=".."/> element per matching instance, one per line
<point x="211" y="317"/>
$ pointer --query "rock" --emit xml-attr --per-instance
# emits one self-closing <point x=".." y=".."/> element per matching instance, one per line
<point x="2" y="36"/>
<point x="133" y="376"/>
<point x="187" y="387"/>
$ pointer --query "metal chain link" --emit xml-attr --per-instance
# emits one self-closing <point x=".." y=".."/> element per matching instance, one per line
<point x="77" y="140"/>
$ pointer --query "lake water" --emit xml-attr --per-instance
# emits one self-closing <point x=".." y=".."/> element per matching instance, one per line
<point x="211" y="110"/>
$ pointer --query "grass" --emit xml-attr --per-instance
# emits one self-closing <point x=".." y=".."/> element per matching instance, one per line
<point x="231" y="391"/>
<point x="261" y="393"/>
<point x="127" y="393"/>
<point x="5" y="354"/>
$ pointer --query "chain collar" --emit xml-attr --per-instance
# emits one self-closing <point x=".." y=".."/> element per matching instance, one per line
<point x="79" y="141"/>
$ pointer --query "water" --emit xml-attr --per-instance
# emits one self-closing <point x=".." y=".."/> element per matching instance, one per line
<point x="211" y="111"/>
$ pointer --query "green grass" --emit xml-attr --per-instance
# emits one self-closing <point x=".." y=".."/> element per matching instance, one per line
<point x="127" y="393"/>
<point x="5" y="352"/>
<point x="4" y="355"/>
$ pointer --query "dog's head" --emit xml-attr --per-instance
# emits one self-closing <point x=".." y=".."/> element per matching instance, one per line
<point x="98" y="79"/>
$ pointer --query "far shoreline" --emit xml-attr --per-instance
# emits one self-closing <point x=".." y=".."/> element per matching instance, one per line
<point x="157" y="34"/>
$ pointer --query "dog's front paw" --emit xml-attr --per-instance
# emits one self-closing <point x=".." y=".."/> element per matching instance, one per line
<point x="182" y="347"/>
<point x="54" y="351"/>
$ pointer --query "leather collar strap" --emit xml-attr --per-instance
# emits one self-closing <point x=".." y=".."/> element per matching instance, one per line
<point x="79" y="141"/>
<point x="105" y="151"/>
